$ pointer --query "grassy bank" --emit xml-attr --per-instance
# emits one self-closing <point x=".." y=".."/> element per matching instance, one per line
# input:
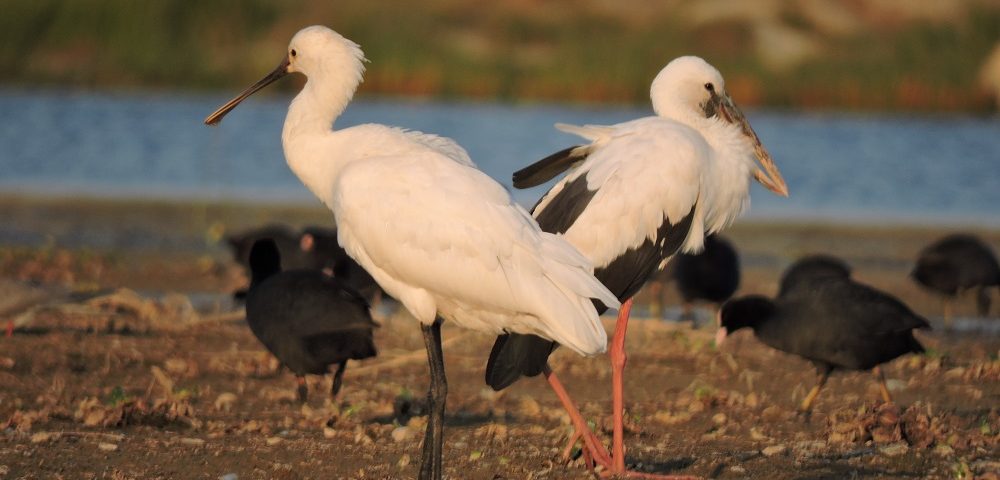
<point x="779" y="55"/>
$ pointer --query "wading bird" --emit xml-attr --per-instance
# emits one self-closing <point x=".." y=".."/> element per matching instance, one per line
<point x="957" y="263"/>
<point x="834" y="322"/>
<point x="712" y="275"/>
<point x="811" y="267"/>
<point x="638" y="193"/>
<point x="436" y="233"/>
<point x="306" y="318"/>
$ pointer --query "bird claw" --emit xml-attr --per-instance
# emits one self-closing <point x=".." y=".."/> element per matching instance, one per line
<point x="804" y="416"/>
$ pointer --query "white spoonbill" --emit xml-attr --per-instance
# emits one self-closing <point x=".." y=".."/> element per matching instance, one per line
<point x="638" y="193"/>
<point x="437" y="234"/>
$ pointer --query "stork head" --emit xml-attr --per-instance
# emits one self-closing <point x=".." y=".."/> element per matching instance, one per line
<point x="690" y="86"/>
<point x="318" y="53"/>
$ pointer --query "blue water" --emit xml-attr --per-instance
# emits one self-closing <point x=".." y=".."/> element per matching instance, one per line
<point x="851" y="167"/>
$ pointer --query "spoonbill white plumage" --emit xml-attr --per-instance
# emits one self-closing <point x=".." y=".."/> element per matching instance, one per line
<point x="437" y="234"/>
<point x="639" y="192"/>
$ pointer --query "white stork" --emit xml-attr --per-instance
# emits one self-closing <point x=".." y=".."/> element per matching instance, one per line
<point x="638" y="193"/>
<point x="436" y="233"/>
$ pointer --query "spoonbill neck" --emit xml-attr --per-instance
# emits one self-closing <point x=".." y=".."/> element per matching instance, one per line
<point x="308" y="139"/>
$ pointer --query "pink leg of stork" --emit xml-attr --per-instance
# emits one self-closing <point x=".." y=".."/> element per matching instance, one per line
<point x="593" y="451"/>
<point x="618" y="359"/>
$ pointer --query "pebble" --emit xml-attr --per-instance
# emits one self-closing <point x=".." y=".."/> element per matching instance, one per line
<point x="224" y="402"/>
<point x="107" y="447"/>
<point x="774" y="450"/>
<point x="192" y="442"/>
<point x="272" y="441"/>
<point x="719" y="418"/>
<point x="895" y="449"/>
<point x="229" y="476"/>
<point x="42" y="437"/>
<point x="944" y="450"/>
<point x="401" y="434"/>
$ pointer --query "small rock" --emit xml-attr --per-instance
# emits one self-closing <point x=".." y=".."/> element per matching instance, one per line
<point x="6" y="363"/>
<point x="737" y="469"/>
<point x="954" y="373"/>
<point x="224" y="402"/>
<point x="192" y="442"/>
<point x="107" y="447"/>
<point x="895" y="449"/>
<point x="42" y="437"/>
<point x="772" y="413"/>
<point x="401" y="434"/>
<point x="756" y="435"/>
<point x="774" y="450"/>
<point x="719" y="418"/>
<point x="944" y="450"/>
<point x="329" y="432"/>
<point x="476" y="455"/>
<point x="272" y="441"/>
<point x="403" y="461"/>
<point x="229" y="476"/>
<point x="176" y="366"/>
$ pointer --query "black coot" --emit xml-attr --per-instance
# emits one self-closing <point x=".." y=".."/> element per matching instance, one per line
<point x="812" y="267"/>
<point x="712" y="275"/>
<point x="956" y="263"/>
<point x="833" y="322"/>
<point x="330" y="257"/>
<point x="306" y="318"/>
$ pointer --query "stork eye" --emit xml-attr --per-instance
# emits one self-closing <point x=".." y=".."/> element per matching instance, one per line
<point x="710" y="87"/>
<point x="293" y="53"/>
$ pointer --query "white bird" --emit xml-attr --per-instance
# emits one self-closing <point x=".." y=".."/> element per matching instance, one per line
<point x="437" y="234"/>
<point x="638" y="193"/>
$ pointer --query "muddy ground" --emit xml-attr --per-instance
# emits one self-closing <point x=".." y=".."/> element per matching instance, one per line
<point x="168" y="382"/>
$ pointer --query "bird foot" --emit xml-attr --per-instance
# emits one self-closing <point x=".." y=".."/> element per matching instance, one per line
<point x="595" y="456"/>
<point x="651" y="476"/>
<point x="593" y="451"/>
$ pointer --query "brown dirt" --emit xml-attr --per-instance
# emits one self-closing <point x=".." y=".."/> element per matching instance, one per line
<point x="98" y="393"/>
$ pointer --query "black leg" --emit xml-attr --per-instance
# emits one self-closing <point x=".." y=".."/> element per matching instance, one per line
<point x="430" y="464"/>
<point x="983" y="301"/>
<point x="338" y="380"/>
<point x="303" y="389"/>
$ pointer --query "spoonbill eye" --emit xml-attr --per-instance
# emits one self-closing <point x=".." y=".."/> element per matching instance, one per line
<point x="293" y="53"/>
<point x="708" y="86"/>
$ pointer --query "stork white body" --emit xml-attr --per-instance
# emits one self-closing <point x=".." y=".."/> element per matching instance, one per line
<point x="659" y="168"/>
<point x="637" y="194"/>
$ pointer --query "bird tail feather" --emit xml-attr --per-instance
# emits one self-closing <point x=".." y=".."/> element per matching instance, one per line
<point x="572" y="319"/>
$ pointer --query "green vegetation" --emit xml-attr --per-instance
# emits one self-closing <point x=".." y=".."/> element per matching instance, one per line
<point x="516" y="50"/>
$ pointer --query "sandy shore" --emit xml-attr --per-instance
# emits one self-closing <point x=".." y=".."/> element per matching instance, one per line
<point x="136" y="388"/>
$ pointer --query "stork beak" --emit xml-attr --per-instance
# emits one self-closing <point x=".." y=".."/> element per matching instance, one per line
<point x="767" y="173"/>
<point x="280" y="71"/>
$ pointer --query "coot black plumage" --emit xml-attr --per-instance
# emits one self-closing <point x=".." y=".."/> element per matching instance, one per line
<point x="307" y="319"/>
<point x="835" y="323"/>
<point x="812" y="267"/>
<point x="330" y="257"/>
<point x="285" y="238"/>
<point x="712" y="275"/>
<point x="956" y="263"/>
